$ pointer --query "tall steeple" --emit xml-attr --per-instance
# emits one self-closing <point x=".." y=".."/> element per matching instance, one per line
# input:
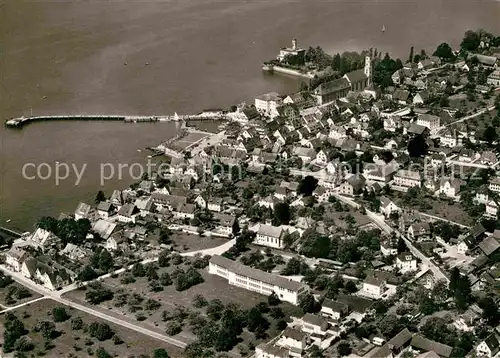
<point x="294" y="44"/>
<point x="368" y="69"/>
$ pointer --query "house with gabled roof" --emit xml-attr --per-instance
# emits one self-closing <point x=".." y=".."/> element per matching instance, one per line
<point x="334" y="310"/>
<point x="271" y="236"/>
<point x="14" y="257"/>
<point x="489" y="347"/>
<point x="419" y="230"/>
<point x="128" y="213"/>
<point x="423" y="344"/>
<point x="387" y="206"/>
<point x="293" y="340"/>
<point x="82" y="211"/>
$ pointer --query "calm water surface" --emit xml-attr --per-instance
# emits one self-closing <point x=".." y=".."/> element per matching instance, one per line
<point x="89" y="57"/>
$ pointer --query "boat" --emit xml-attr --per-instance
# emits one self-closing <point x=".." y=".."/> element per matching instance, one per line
<point x="383" y="28"/>
<point x="139" y="150"/>
<point x="147" y="63"/>
<point x="8" y="221"/>
<point x="149" y="157"/>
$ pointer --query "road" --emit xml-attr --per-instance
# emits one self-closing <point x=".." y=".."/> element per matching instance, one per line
<point x="380" y="222"/>
<point x="443" y="219"/>
<point x="466" y="118"/>
<point x="11" y="308"/>
<point x="57" y="295"/>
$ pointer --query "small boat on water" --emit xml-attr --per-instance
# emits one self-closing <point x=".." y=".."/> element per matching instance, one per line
<point x="8" y="221"/>
<point x="149" y="157"/>
<point x="383" y="28"/>
<point x="139" y="150"/>
<point x="147" y="64"/>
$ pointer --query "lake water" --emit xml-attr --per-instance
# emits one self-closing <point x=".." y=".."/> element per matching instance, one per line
<point x="62" y="57"/>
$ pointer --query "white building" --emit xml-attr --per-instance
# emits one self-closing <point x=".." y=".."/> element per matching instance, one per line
<point x="450" y="187"/>
<point x="294" y="51"/>
<point x="408" y="178"/>
<point x="293" y="340"/>
<point x="127" y="213"/>
<point x="494" y="78"/>
<point x="256" y="280"/>
<point x="14" y="258"/>
<point x="334" y="310"/>
<point x="491" y="209"/>
<point x="268" y="104"/>
<point x="82" y="211"/>
<point x="373" y="287"/>
<point x="406" y="262"/>
<point x="429" y="120"/>
<point x="494" y="185"/>
<point x="314" y="324"/>
<point x="389" y="247"/>
<point x="270" y="236"/>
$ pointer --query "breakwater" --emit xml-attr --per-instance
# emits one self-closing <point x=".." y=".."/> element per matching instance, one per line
<point x="21" y="121"/>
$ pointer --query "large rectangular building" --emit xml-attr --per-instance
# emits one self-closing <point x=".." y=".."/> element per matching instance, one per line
<point x="256" y="280"/>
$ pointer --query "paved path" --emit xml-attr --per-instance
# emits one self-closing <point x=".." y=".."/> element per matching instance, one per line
<point x="443" y="219"/>
<point x="11" y="308"/>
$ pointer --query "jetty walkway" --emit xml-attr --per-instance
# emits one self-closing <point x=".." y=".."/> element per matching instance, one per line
<point x="21" y="121"/>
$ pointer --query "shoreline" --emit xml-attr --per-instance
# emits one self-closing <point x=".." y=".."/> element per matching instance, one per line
<point x="287" y="71"/>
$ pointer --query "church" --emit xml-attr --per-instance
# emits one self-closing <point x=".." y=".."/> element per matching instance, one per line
<point x="357" y="80"/>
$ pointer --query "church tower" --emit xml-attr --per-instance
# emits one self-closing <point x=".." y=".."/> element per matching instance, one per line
<point x="368" y="69"/>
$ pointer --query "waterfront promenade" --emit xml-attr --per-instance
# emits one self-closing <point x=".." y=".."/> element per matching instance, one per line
<point x="21" y="121"/>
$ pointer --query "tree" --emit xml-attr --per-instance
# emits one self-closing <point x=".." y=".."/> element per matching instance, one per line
<point x="101" y="331"/>
<point x="164" y="258"/>
<point x="273" y="299"/>
<point x="490" y="311"/>
<point x="444" y="52"/>
<point x="164" y="237"/>
<point x="344" y="349"/>
<point x="255" y="319"/>
<point x="427" y="306"/>
<point x="470" y="41"/>
<point x="350" y="287"/>
<point x="101" y="353"/>
<point x="106" y="262"/>
<point x="412" y="53"/>
<point x="165" y="279"/>
<point x="138" y="270"/>
<point x="76" y="323"/>
<point x="173" y="328"/>
<point x="214" y="309"/>
<point x="59" y="314"/>
<point x="308" y="303"/>
<point x="199" y="301"/>
<point x="236" y="227"/>
<point x="151" y="273"/>
<point x="100" y="197"/>
<point x="47" y="329"/>
<point x="87" y="274"/>
<point x="282" y="213"/>
<point x="490" y="134"/>
<point x="440" y="292"/>
<point x="307" y="185"/>
<point x="160" y="353"/>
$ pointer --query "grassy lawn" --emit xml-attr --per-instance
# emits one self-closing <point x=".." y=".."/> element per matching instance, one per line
<point x="190" y="242"/>
<point x="16" y="295"/>
<point x="78" y="342"/>
<point x="169" y="299"/>
<point x="214" y="287"/>
<point x="451" y="212"/>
